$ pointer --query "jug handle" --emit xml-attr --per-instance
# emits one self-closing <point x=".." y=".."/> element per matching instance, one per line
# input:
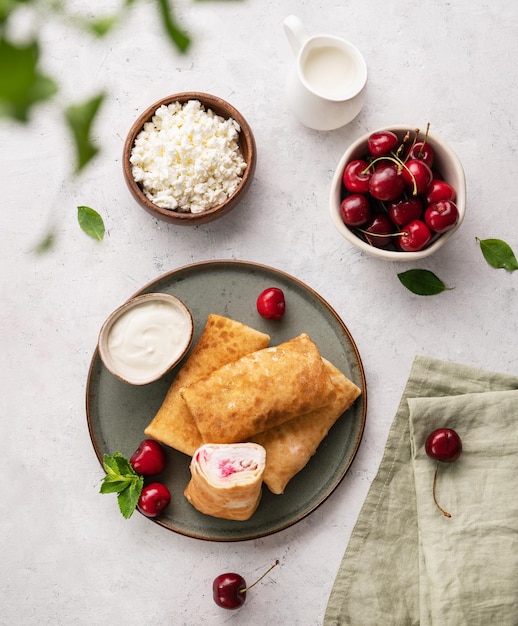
<point x="295" y="33"/>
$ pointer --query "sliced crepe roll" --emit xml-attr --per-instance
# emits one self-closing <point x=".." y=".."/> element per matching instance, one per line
<point x="226" y="480"/>
<point x="259" y="391"/>
<point x="222" y="341"/>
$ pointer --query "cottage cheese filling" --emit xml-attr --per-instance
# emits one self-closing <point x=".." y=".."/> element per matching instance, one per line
<point x="188" y="158"/>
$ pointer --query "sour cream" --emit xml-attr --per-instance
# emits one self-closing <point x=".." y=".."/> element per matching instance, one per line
<point x="146" y="337"/>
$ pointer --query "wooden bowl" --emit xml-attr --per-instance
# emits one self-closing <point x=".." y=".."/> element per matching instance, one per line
<point x="248" y="150"/>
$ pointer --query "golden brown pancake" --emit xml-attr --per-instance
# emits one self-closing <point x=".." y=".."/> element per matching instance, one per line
<point x="290" y="445"/>
<point x="259" y="391"/>
<point x="222" y="341"/>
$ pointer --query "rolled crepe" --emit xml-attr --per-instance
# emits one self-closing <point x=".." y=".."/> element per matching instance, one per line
<point x="222" y="341"/>
<point x="226" y="480"/>
<point x="290" y="446"/>
<point x="259" y="391"/>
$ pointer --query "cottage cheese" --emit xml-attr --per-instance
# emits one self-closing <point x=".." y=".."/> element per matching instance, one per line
<point x="188" y="158"/>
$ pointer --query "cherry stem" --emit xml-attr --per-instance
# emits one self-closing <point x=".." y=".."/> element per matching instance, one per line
<point x="401" y="164"/>
<point x="414" y="140"/>
<point x="400" y="233"/>
<point x="420" y="153"/>
<point x="445" y="513"/>
<point x="401" y="147"/>
<point x="259" y="579"/>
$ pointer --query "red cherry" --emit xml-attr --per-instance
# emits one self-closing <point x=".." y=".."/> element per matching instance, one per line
<point x="153" y="499"/>
<point x="356" y="176"/>
<point x="442" y="216"/>
<point x="149" y="458"/>
<point x="382" y="142"/>
<point x="444" y="444"/>
<point x="229" y="590"/>
<point x="402" y="212"/>
<point x="415" y="237"/>
<point x="439" y="190"/>
<point x="355" y="210"/>
<point x="422" y="151"/>
<point x="379" y="225"/>
<point x="417" y="176"/>
<point x="386" y="183"/>
<point x="271" y="304"/>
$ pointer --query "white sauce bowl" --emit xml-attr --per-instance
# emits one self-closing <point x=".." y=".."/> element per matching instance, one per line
<point x="146" y="337"/>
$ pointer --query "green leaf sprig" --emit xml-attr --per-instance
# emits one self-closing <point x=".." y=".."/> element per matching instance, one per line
<point x="422" y="282"/>
<point x="122" y="479"/>
<point x="498" y="254"/>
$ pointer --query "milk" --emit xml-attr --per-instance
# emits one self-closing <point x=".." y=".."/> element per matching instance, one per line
<point x="329" y="71"/>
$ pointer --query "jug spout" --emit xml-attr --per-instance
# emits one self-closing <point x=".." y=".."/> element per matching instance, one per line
<point x="295" y="33"/>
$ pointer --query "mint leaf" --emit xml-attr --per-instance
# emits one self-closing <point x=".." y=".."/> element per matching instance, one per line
<point x="91" y="222"/>
<point x="110" y="464"/>
<point x="422" y="282"/>
<point x="118" y="468"/>
<point x="498" y="254"/>
<point x="123" y="465"/>
<point x="122" y="479"/>
<point x="110" y="485"/>
<point x="128" y="498"/>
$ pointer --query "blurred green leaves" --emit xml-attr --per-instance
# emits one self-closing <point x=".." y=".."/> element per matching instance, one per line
<point x="22" y="84"/>
<point x="101" y="26"/>
<point x="80" y="118"/>
<point x="181" y="40"/>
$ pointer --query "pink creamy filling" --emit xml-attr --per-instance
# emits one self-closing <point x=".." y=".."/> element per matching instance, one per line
<point x="227" y="467"/>
<point x="201" y="453"/>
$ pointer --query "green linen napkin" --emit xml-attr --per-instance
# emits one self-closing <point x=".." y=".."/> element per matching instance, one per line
<point x="408" y="564"/>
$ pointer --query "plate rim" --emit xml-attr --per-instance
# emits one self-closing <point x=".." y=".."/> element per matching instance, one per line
<point x="301" y="284"/>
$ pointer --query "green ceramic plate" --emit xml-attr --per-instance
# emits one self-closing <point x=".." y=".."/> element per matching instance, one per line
<point x="117" y="413"/>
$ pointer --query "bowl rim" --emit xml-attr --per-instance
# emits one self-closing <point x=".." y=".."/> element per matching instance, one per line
<point x="393" y="255"/>
<point x="220" y="107"/>
<point x="102" y="341"/>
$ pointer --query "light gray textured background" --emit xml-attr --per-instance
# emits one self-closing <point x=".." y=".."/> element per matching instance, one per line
<point x="68" y="557"/>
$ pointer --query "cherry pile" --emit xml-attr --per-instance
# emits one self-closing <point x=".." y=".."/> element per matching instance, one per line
<point x="393" y="196"/>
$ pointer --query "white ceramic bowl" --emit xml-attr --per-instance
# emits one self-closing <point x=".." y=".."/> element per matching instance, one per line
<point x="146" y="337"/>
<point x="446" y="162"/>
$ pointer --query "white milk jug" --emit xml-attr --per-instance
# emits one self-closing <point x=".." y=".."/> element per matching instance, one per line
<point x="326" y="87"/>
